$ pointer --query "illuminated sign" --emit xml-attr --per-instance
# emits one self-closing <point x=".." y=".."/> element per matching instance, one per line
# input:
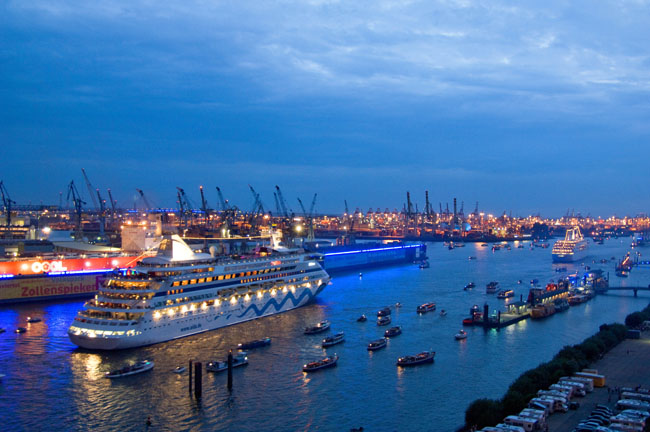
<point x="48" y="266"/>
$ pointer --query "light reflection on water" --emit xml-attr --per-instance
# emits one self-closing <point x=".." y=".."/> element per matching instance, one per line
<point x="49" y="382"/>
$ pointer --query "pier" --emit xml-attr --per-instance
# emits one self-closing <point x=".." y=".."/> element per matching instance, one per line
<point x="604" y="290"/>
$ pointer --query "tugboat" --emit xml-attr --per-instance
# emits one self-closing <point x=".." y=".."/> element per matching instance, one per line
<point x="254" y="344"/>
<point x="413" y="360"/>
<point x="136" y="368"/>
<point x="393" y="331"/>
<point x="377" y="344"/>
<point x="318" y="328"/>
<point x="384" y="320"/>
<point x="220" y="366"/>
<point x="327" y="362"/>
<point x="383" y="312"/>
<point x="333" y="340"/>
<point x="362" y="318"/>
<point x="469" y="286"/>
<point x="427" y="307"/>
<point x="462" y="334"/>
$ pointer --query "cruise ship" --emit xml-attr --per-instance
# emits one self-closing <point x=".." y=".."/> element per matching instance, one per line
<point x="573" y="248"/>
<point x="178" y="293"/>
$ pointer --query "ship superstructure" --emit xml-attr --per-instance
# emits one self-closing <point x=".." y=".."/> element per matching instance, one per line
<point x="178" y="293"/>
<point x="574" y="247"/>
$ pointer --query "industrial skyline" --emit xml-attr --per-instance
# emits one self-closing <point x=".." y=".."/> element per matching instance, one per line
<point x="536" y="108"/>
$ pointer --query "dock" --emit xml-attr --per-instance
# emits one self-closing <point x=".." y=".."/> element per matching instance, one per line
<point x="517" y="311"/>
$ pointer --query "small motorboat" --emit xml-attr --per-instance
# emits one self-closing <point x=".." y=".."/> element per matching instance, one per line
<point x="462" y="334"/>
<point x="469" y="286"/>
<point x="491" y="287"/>
<point x="318" y="328"/>
<point x="333" y="340"/>
<point x="383" y="320"/>
<point x="135" y="368"/>
<point x="327" y="362"/>
<point x="424" y="265"/>
<point x="377" y="344"/>
<point x="21" y="330"/>
<point x="383" y="312"/>
<point x="362" y="318"/>
<point x="443" y="313"/>
<point x="220" y="366"/>
<point x="398" y="305"/>
<point x="2" y="330"/>
<point x="254" y="344"/>
<point x="33" y="319"/>
<point x="471" y="258"/>
<point x="504" y="294"/>
<point x="179" y="369"/>
<point x="427" y="307"/>
<point x="413" y="360"/>
<point x="393" y="331"/>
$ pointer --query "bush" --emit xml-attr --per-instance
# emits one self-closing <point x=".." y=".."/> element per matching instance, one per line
<point x="635" y="319"/>
<point x="513" y="402"/>
<point x="483" y="412"/>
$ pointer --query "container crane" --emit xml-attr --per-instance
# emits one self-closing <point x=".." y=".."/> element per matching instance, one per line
<point x="309" y="217"/>
<point x="7" y="202"/>
<point x="113" y="202"/>
<point x="91" y="190"/>
<point x="185" y="205"/>
<point x="227" y="213"/>
<point x="102" y="215"/>
<point x="77" y="202"/>
<point x="144" y="199"/>
<point x="204" y="208"/>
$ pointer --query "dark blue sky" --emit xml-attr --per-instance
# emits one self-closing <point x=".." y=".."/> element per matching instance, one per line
<point x="523" y="108"/>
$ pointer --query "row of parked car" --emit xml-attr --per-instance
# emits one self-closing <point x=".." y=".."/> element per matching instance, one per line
<point x="556" y="399"/>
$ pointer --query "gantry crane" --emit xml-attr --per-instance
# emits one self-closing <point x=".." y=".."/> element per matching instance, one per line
<point x="91" y="190"/>
<point x="7" y="203"/>
<point x="78" y="203"/>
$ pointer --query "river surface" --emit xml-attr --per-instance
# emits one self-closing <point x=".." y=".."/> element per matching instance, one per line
<point x="51" y="385"/>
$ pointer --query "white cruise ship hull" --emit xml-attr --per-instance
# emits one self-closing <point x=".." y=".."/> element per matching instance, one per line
<point x="578" y="254"/>
<point x="155" y="330"/>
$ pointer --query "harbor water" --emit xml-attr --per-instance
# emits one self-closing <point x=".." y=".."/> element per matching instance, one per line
<point x="51" y="385"/>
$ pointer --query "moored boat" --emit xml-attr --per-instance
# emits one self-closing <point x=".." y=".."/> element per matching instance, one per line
<point x="424" y="265"/>
<point x="462" y="334"/>
<point x="333" y="340"/>
<point x="383" y="312"/>
<point x="393" y="331"/>
<point x="254" y="344"/>
<point x="136" y="368"/>
<point x="220" y="366"/>
<point x="426" y="307"/>
<point x="561" y="305"/>
<point x="504" y="294"/>
<point x="542" y="310"/>
<point x="318" y="328"/>
<point x="384" y="320"/>
<point x="377" y="344"/>
<point x="327" y="362"/>
<point x="491" y="287"/>
<point x="413" y="360"/>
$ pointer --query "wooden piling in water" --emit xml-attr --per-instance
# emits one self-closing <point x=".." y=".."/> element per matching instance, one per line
<point x="198" y="380"/>
<point x="190" y="370"/>
<point x="230" y="370"/>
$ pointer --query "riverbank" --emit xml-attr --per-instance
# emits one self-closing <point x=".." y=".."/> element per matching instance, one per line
<point x="625" y="365"/>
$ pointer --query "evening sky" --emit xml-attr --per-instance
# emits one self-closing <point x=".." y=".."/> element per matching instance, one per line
<point x="523" y="106"/>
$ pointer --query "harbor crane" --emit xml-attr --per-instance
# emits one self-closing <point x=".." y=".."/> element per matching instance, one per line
<point x="283" y="203"/>
<point x="102" y="215"/>
<point x="310" y="217"/>
<point x="204" y="208"/>
<point x="77" y="202"/>
<point x="113" y="202"/>
<point x="227" y="213"/>
<point x="185" y="206"/>
<point x="144" y="199"/>
<point x="349" y="238"/>
<point x="7" y="203"/>
<point x="91" y="190"/>
<point x="258" y="210"/>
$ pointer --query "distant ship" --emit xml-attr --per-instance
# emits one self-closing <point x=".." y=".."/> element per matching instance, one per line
<point x="179" y="292"/>
<point x="573" y="248"/>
